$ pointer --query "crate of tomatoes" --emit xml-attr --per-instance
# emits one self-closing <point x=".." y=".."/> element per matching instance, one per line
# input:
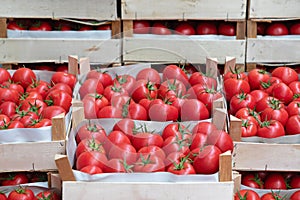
<point x="35" y="117"/>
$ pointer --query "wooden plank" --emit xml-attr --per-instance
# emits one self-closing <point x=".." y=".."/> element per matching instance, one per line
<point x="64" y="168"/>
<point x="251" y="29"/>
<point x="184" y="9"/>
<point x="116" y="29"/>
<point x="77" y="116"/>
<point x="235" y="130"/>
<point x="225" y="169"/>
<point x="58" y="50"/>
<point x="250" y="66"/>
<point x="274" y="9"/>
<point x="73" y="64"/>
<point x="273" y="50"/>
<point x="127" y="28"/>
<point x="269" y="157"/>
<point x="38" y="156"/>
<point x="55" y="181"/>
<point x="92" y="9"/>
<point x="58" y="127"/>
<point x="241" y="30"/>
<point x="175" y="50"/>
<point x="3" y="28"/>
<point x="141" y="190"/>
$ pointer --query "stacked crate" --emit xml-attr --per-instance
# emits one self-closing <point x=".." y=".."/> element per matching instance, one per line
<point x="173" y="50"/>
<point x="57" y="50"/>
<point x="271" y="50"/>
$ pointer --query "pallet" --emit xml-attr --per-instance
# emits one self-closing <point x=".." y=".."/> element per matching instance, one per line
<point x="250" y="156"/>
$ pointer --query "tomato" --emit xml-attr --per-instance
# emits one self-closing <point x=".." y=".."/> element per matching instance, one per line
<point x="295" y="195"/>
<point x="134" y="111"/>
<point x="89" y="145"/>
<point x="194" y="90"/>
<point x="91" y="130"/>
<point x="91" y="169"/>
<point x="258" y="95"/>
<point x="176" y="129"/>
<point x="118" y="137"/>
<point x="39" y="123"/>
<point x="261" y="28"/>
<point x="116" y="165"/>
<point x="241" y="100"/>
<point x="206" y="28"/>
<point x="295" y="87"/>
<point x="152" y="150"/>
<point x="141" y="27"/>
<point x="21" y="193"/>
<point x="103" y="27"/>
<point x="177" y="102"/>
<point x="9" y="95"/>
<point x="91" y="85"/>
<point x="3" y="196"/>
<point x="92" y="103"/>
<point x="204" y="127"/>
<point x="33" y="105"/>
<point x="127" y="126"/>
<point x="256" y="76"/>
<point x="277" y="28"/>
<point x="8" y="108"/>
<point x="181" y="167"/>
<point x="171" y="87"/>
<point x="235" y="86"/>
<point x="246" y="195"/>
<point x="200" y="78"/>
<point x="126" y="81"/>
<point x="40" y="26"/>
<point x="286" y="74"/>
<point x="13" y="86"/>
<point x="47" y="195"/>
<point x="221" y="139"/>
<point x="207" y="161"/>
<point x="227" y="28"/>
<point x="282" y="92"/>
<point x="144" y="139"/>
<point x="267" y="85"/>
<point x="174" y="144"/>
<point x="14" y="179"/>
<point x="15" y="25"/>
<point x="149" y="163"/>
<point x="295" y="29"/>
<point x="193" y="109"/>
<point x="23" y="76"/>
<point x="104" y="77"/>
<point x="160" y="111"/>
<point x="175" y="72"/>
<point x="270" y="129"/>
<point x="123" y="151"/>
<point x="198" y="140"/>
<point x="4" y="75"/>
<point x="63" y="26"/>
<point x="235" y="73"/>
<point x="149" y="74"/>
<point x="39" y="86"/>
<point x="15" y="124"/>
<point x="95" y="158"/>
<point x="59" y="98"/>
<point x="275" y="181"/>
<point x="252" y="180"/>
<point x="292" y="125"/>
<point x="159" y="28"/>
<point x="110" y="112"/>
<point x="249" y="128"/>
<point x="62" y="68"/>
<point x="270" y="196"/>
<point x="30" y="95"/>
<point x="143" y="89"/>
<point x="268" y="102"/>
<point x="52" y="111"/>
<point x="85" y="28"/>
<point x="185" y="28"/>
<point x="62" y="86"/>
<point x="276" y="113"/>
<point x="295" y="181"/>
<point x="63" y="77"/>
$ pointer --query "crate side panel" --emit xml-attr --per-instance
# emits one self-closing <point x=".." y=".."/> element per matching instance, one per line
<point x="30" y="156"/>
<point x="58" y="50"/>
<point x="92" y="9"/>
<point x="137" y="191"/>
<point x="194" y="51"/>
<point x="184" y="9"/>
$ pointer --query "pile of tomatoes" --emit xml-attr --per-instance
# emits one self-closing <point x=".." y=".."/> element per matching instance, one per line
<point x="286" y="183"/>
<point x="279" y="28"/>
<point x="169" y="96"/>
<point x="184" y="27"/>
<point x="28" y="102"/>
<point x="130" y="147"/>
<point x="267" y="103"/>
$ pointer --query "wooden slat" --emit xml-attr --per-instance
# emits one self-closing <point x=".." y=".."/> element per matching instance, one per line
<point x="225" y="169"/>
<point x="3" y="28"/>
<point x="270" y="157"/>
<point x="183" y="9"/>
<point x="64" y="168"/>
<point x="235" y="130"/>
<point x="58" y="127"/>
<point x="73" y="64"/>
<point x="92" y="9"/>
<point x="77" y="116"/>
<point x="274" y="9"/>
<point x="250" y="66"/>
<point x="116" y="29"/>
<point x="58" y="50"/>
<point x="30" y="156"/>
<point x="241" y="30"/>
<point x="175" y="50"/>
<point x="251" y="29"/>
<point x="127" y="28"/>
<point x="273" y="50"/>
<point x="219" y="118"/>
<point x="141" y="190"/>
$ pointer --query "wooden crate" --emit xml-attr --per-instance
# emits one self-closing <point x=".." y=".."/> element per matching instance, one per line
<point x="262" y="156"/>
<point x="35" y="156"/>
<point x="36" y="50"/>
<point x="174" y="50"/>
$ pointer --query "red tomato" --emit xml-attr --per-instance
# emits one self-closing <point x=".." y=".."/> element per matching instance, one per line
<point x="103" y="27"/>
<point x="95" y="158"/>
<point x="207" y="161"/>
<point x="62" y="86"/>
<point x="182" y="167"/>
<point x="234" y="86"/>
<point x="282" y="92"/>
<point x="9" y="95"/>
<point x="261" y="27"/>
<point x="92" y="103"/>
<point x="8" y="108"/>
<point x="220" y="139"/>
<point x="295" y="29"/>
<point x="40" y="26"/>
<point x="256" y="76"/>
<point x="110" y="112"/>
<point x="15" y="25"/>
<point x="176" y="129"/>
<point x="295" y="195"/>
<point x="252" y="180"/>
<point x="227" y="28"/>
<point x="286" y="74"/>
<point x="149" y="74"/>
<point x="185" y="28"/>
<point x="59" y="98"/>
<point x="117" y="165"/>
<point x="295" y="181"/>
<point x="118" y="137"/>
<point x="246" y="195"/>
<point x="175" y="72"/>
<point x="134" y="111"/>
<point x="91" y="85"/>
<point x="159" y="28"/>
<point x="4" y="75"/>
<point x="30" y="95"/>
<point x="48" y="194"/>
<point x="63" y="77"/>
<point x="39" y="123"/>
<point x="270" y="129"/>
<point x="143" y="89"/>
<point x="241" y="100"/>
<point x="174" y="144"/>
<point x="275" y="113"/>
<point x="15" y="124"/>
<point x="198" y="140"/>
<point x="144" y="139"/>
<point x="270" y="196"/>
<point x="23" y="76"/>
<point x="141" y="27"/>
<point x="161" y="111"/>
<point x="249" y="128"/>
<point x="171" y="87"/>
<point x="149" y="163"/>
<point x="204" y="127"/>
<point x="91" y="130"/>
<point x="194" y="90"/>
<point x="33" y="105"/>
<point x="112" y="91"/>
<point x="126" y="81"/>
<point x="258" y="95"/>
<point x="104" y="77"/>
<point x="4" y="120"/>
<point x="292" y="125"/>
<point x="200" y="78"/>
<point x="14" y="179"/>
<point x="152" y="150"/>
<point x="275" y="181"/>
<point x="62" y="68"/>
<point x="123" y="151"/>
<point x="86" y="28"/>
<point x="277" y="28"/>
<point x="52" y="111"/>
<point x="21" y="193"/>
<point x="193" y="109"/>
<point x="295" y="87"/>
<point x="206" y="28"/>
<point x="3" y="196"/>
<point x="39" y="86"/>
<point x="268" y="102"/>
<point x="127" y="126"/>
<point x="267" y="85"/>
<point x="89" y="145"/>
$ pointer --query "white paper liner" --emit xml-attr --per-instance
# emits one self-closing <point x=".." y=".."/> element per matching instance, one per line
<point x="36" y="187"/>
<point x="282" y="193"/>
<point x="269" y="37"/>
<point x="192" y="37"/>
<point x="288" y="139"/>
<point x="92" y="34"/>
